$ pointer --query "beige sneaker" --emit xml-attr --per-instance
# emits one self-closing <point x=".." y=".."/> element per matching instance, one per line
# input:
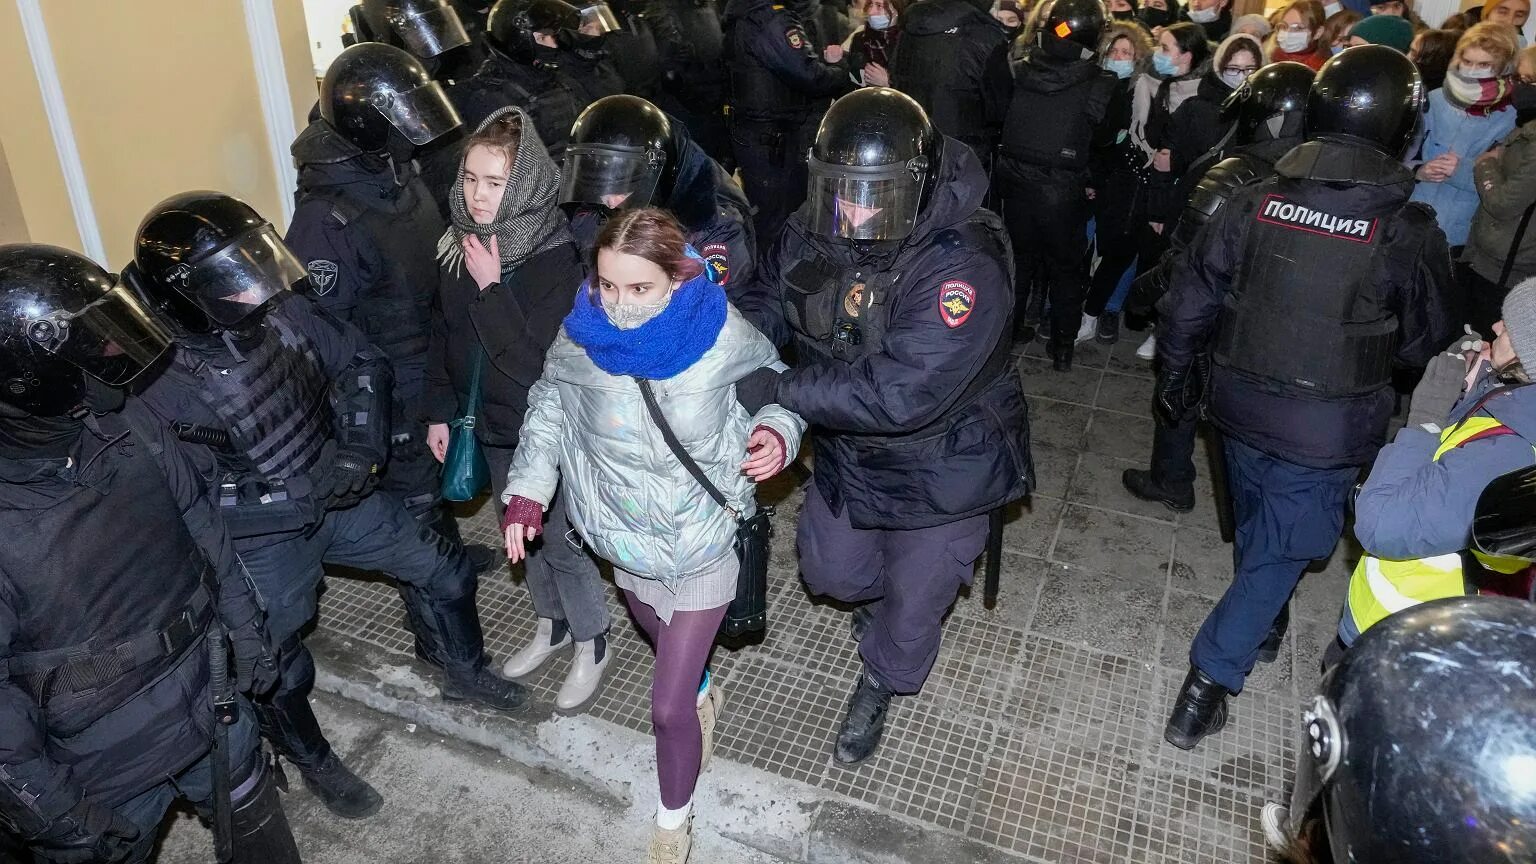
<point x="671" y="847"/>
<point x="709" y="715"/>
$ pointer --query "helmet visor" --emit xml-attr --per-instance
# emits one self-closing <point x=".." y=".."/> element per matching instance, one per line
<point x="422" y="114"/>
<point x="598" y="19"/>
<point x="432" y="32"/>
<point x="241" y="278"/>
<point x="857" y="203"/>
<point x="114" y="338"/>
<point x="613" y="177"/>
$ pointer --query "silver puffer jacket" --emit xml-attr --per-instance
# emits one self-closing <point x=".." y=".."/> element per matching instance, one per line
<point x="627" y="495"/>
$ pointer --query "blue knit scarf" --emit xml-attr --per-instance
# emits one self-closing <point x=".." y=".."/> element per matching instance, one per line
<point x="661" y="347"/>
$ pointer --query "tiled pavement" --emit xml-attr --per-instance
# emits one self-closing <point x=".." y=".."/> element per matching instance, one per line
<point x="1040" y="730"/>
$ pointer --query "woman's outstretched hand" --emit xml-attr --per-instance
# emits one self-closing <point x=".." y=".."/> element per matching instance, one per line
<point x="765" y="454"/>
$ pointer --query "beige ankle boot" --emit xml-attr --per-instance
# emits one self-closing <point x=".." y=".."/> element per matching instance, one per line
<point x="671" y="846"/>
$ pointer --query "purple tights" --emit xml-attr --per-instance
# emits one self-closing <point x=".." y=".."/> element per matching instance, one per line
<point x="682" y="649"/>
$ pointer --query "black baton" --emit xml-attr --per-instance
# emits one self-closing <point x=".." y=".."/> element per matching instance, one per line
<point x="994" y="558"/>
<point x="224" y="715"/>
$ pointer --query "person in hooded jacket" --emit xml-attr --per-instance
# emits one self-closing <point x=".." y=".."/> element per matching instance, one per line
<point x="778" y="79"/>
<point x="1042" y="168"/>
<point x="893" y="284"/>
<point x="1010" y="14"/>
<point x="1499" y="251"/>
<point x="508" y="269"/>
<point x="110" y="626"/>
<point x="693" y="84"/>
<point x="626" y="153"/>
<point x="1310" y="285"/>
<point x="1159" y="13"/>
<point x="1196" y="130"/>
<point x="365" y="227"/>
<point x="951" y="62"/>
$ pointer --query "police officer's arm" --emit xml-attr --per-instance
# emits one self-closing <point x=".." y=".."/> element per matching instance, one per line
<point x="1200" y="278"/>
<point x="758" y="299"/>
<point x="1413" y="506"/>
<point x="360" y="374"/>
<point x="940" y="335"/>
<point x="1423" y="302"/>
<point x="728" y="251"/>
<point x="789" y="53"/>
<point x="336" y="266"/>
<point x="35" y="790"/>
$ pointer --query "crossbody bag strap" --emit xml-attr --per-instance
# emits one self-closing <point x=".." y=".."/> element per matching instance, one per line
<point x="1514" y="246"/>
<point x="473" y="407"/>
<point x="653" y="408"/>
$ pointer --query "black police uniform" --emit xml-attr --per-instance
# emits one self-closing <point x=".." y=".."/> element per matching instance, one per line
<point x="272" y="403"/>
<point x="1042" y="172"/>
<point x="1311" y="283"/>
<point x="540" y="87"/>
<point x="777" y="82"/>
<point x="105" y="692"/>
<point x="367" y="233"/>
<point x="948" y="60"/>
<point x="710" y="207"/>
<point x="632" y="50"/>
<point x="691" y="44"/>
<point x="903" y="367"/>
<point x="592" y="70"/>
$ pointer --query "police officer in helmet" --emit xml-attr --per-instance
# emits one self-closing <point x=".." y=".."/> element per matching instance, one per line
<point x="893" y="284"/>
<point x="429" y="29"/>
<point x="1266" y="113"/>
<point x="289" y="407"/>
<point x="1418" y="745"/>
<point x="1310" y="286"/>
<point x="625" y="152"/>
<point x="112" y="628"/>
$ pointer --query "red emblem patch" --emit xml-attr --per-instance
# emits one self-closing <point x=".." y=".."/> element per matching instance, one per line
<point x="717" y="259"/>
<point x="956" y="300"/>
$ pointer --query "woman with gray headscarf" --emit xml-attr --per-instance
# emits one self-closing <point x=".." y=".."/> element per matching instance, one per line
<point x="510" y="270"/>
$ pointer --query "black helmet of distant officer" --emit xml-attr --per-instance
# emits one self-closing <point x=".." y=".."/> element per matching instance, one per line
<point x="622" y="154"/>
<point x="425" y="28"/>
<point x="1369" y="94"/>
<point x="1070" y="29"/>
<point x="534" y="31"/>
<point x="382" y="100"/>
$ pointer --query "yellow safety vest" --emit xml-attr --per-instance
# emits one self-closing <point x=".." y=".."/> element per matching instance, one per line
<point x="1382" y="586"/>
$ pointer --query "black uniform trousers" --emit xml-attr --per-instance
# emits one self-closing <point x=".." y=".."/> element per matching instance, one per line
<point x="771" y="156"/>
<point x="1048" y="224"/>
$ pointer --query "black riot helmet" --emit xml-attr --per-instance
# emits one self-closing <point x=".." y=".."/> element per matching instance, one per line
<point x="60" y="315"/>
<point x="512" y="23"/>
<point x="621" y="155"/>
<point x="871" y="166"/>
<point x="1420" y="745"/>
<point x="1070" y="29"/>
<point x="426" y="28"/>
<point x="372" y="88"/>
<point x="1370" y="93"/>
<point x="1270" y="103"/>
<point x="209" y="262"/>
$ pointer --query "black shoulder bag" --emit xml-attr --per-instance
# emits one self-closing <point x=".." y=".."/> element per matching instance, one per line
<point x="749" y="611"/>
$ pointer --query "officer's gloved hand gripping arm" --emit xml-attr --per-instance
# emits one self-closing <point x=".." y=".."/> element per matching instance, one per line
<point x="930" y="354"/>
<point x="39" y="800"/>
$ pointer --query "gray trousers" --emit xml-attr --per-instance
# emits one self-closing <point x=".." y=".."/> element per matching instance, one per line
<point x="562" y="577"/>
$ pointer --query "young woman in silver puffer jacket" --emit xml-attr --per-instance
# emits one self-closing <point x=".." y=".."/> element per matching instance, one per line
<point x="651" y="312"/>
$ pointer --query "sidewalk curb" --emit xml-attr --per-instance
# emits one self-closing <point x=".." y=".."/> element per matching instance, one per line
<point x="787" y="819"/>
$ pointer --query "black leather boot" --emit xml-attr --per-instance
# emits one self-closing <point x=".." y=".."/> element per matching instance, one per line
<point x="1271" y="647"/>
<point x="1061" y="354"/>
<point x="484" y="687"/>
<point x="1200" y="710"/>
<point x="342" y="792"/>
<point x="1141" y="484"/>
<point x="865" y="724"/>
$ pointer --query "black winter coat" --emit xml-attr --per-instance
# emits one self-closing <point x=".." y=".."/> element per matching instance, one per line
<point x="948" y="61"/>
<point x="1193" y="129"/>
<point x="514" y="321"/>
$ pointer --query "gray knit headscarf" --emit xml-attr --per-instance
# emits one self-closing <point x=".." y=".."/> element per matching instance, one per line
<point x="528" y="222"/>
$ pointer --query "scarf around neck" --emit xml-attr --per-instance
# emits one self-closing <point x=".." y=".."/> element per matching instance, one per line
<point x="527" y="222"/>
<point x="660" y="348"/>
<point x="1478" y="96"/>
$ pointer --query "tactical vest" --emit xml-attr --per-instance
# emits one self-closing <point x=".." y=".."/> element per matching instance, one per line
<point x="1380" y="586"/>
<point x="1064" y="141"/>
<point x="274" y="403"/>
<point x="1304" y="315"/>
<point x="394" y="308"/>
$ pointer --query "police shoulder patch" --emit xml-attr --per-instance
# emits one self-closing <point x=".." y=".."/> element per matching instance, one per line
<point x="322" y="275"/>
<point x="795" y="38"/>
<point x="717" y="262"/>
<point x="957" y="299"/>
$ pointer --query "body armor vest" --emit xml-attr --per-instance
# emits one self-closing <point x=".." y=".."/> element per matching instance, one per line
<point x="274" y="404"/>
<point x="1304" y="314"/>
<point x="394" y="309"/>
<point x="1063" y="143"/>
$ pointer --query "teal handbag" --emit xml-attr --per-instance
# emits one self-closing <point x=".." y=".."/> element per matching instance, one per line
<point x="465" y="472"/>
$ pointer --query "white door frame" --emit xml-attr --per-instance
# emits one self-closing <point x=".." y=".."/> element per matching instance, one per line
<point x="276" y="101"/>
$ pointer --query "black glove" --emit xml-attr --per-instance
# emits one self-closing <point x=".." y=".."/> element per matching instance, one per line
<point x="1172" y="404"/>
<point x="88" y="833"/>
<point x="347" y="479"/>
<point x="255" y="658"/>
<point x="758" y="389"/>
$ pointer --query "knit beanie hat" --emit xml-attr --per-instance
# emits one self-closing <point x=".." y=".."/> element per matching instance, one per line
<point x="1255" y="22"/>
<point x="1388" y="30"/>
<point x="1520" y="320"/>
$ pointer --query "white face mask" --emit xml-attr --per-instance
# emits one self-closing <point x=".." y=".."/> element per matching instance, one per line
<point x="1232" y="79"/>
<point x="1332" y="9"/>
<point x="1476" y="74"/>
<point x="1204" y="16"/>
<point x="1292" y="42"/>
